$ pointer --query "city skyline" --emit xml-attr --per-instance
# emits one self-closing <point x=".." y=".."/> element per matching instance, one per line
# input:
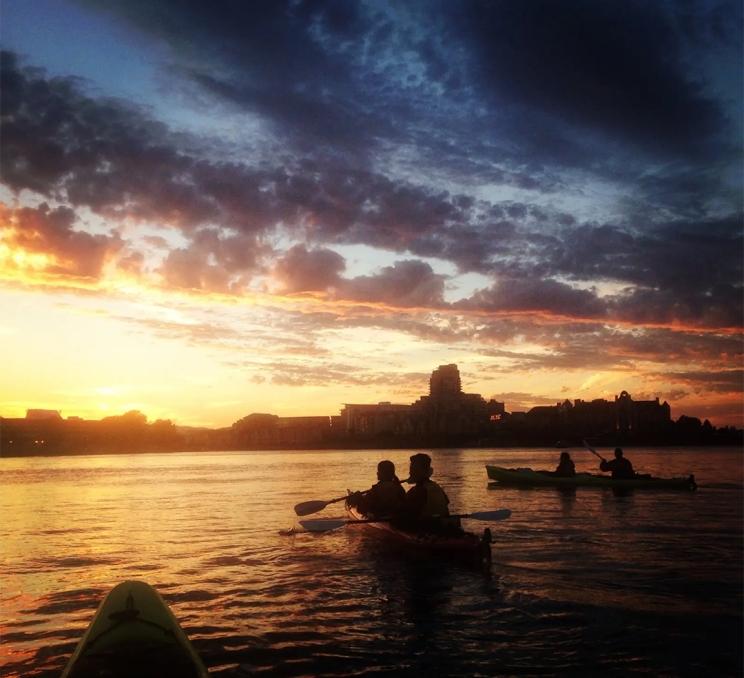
<point x="445" y="416"/>
<point x="343" y="411"/>
<point x="208" y="210"/>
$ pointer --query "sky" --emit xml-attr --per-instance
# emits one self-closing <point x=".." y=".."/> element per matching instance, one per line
<point x="209" y="209"/>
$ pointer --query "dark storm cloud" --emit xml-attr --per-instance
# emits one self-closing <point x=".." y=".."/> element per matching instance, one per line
<point x="281" y="60"/>
<point x="618" y="68"/>
<point x="115" y="160"/>
<point x="108" y="156"/>
<point x="542" y="72"/>
<point x="681" y="254"/>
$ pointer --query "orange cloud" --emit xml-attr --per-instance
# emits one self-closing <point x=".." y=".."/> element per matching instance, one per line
<point x="42" y="240"/>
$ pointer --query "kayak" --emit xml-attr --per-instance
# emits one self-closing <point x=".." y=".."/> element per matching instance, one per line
<point x="528" y="478"/>
<point x="460" y="544"/>
<point x="134" y="633"/>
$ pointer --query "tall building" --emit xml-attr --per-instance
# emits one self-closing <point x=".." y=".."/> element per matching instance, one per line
<point x="445" y="382"/>
<point x="447" y="411"/>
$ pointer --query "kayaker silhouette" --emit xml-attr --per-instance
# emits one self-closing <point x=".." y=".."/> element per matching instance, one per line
<point x="620" y="466"/>
<point x="426" y="505"/>
<point x="385" y="497"/>
<point x="565" y="468"/>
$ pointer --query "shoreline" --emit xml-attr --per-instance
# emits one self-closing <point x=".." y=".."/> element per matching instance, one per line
<point x="308" y="448"/>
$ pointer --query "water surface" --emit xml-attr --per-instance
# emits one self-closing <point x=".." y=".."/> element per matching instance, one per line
<point x="588" y="582"/>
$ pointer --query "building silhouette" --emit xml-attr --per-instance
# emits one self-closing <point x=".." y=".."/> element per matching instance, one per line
<point x="622" y="417"/>
<point x="445" y="412"/>
<point x="445" y="416"/>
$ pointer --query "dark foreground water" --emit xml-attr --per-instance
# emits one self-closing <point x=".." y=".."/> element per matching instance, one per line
<point x="592" y="583"/>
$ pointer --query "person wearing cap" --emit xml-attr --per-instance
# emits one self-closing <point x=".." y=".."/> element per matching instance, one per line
<point x="385" y="497"/>
<point x="426" y="503"/>
<point x="620" y="466"/>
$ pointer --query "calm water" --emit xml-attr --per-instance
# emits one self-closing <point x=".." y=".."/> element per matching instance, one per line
<point x="648" y="583"/>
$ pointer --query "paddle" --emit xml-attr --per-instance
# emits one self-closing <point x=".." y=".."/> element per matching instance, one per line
<point x="305" y="508"/>
<point x="328" y="524"/>
<point x="593" y="451"/>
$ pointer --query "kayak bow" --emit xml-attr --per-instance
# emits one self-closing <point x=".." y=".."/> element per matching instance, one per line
<point x="134" y="633"/>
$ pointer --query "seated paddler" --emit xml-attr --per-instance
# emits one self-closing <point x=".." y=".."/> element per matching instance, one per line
<point x="620" y="466"/>
<point x="566" y="467"/>
<point x="426" y="505"/>
<point x="385" y="497"/>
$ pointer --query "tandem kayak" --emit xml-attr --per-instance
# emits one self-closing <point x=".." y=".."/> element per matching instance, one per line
<point x="134" y="633"/>
<point x="459" y="544"/>
<point x="526" y="477"/>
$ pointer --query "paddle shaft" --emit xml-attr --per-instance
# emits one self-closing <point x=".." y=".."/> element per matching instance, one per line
<point x="594" y="452"/>
<point x="387" y="520"/>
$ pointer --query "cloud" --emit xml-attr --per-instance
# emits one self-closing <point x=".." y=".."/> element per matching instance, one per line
<point x="214" y="261"/>
<point x="520" y="402"/>
<point x="621" y="71"/>
<point x="405" y="283"/>
<point x="325" y="374"/>
<point x="117" y="161"/>
<point x="535" y="295"/>
<point x="44" y="239"/>
<point x="718" y="381"/>
<point x="303" y="270"/>
<point x="112" y="158"/>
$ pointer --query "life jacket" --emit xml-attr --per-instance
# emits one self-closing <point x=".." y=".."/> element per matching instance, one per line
<point x="386" y="497"/>
<point x="437" y="503"/>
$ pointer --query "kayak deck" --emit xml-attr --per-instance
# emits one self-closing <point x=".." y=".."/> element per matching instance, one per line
<point x="529" y="478"/>
<point x="134" y="633"/>
<point x="458" y="544"/>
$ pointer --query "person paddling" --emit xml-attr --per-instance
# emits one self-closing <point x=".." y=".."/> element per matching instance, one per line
<point x="385" y="498"/>
<point x="620" y="466"/>
<point x="426" y="505"/>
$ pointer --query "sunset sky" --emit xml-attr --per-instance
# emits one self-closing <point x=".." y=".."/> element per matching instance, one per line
<point x="209" y="209"/>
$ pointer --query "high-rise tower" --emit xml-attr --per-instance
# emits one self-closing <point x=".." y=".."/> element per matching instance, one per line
<point x="445" y="382"/>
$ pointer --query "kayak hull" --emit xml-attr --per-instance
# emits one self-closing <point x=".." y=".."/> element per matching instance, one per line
<point x="526" y="477"/>
<point x="464" y="545"/>
<point x="134" y="633"/>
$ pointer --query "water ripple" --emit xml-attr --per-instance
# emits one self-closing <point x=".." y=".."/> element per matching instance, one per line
<point x="623" y="585"/>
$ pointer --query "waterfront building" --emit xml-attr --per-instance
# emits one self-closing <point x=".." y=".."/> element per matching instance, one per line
<point x="384" y="418"/>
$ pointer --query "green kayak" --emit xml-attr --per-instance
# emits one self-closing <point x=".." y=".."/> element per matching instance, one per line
<point x="134" y="633"/>
<point x="526" y="477"/>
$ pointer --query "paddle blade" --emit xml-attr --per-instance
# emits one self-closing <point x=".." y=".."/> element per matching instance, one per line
<point x="499" y="514"/>
<point x="305" y="508"/>
<point x="323" y="524"/>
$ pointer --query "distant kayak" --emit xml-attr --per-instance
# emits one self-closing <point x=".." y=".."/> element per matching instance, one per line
<point x="459" y="544"/>
<point x="526" y="477"/>
<point x="134" y="633"/>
